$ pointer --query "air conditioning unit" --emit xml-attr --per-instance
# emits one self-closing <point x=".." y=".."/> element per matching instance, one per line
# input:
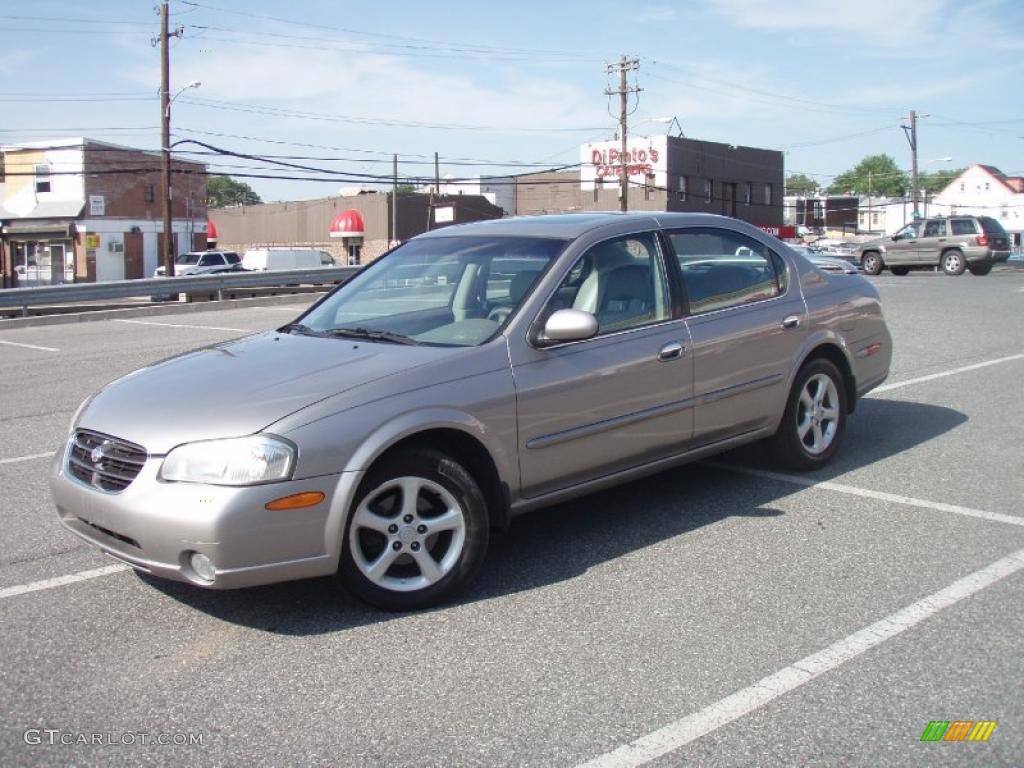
<point x="115" y="246"/>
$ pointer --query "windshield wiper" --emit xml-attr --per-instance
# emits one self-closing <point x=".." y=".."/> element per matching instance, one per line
<point x="300" y="328"/>
<point x="366" y="333"/>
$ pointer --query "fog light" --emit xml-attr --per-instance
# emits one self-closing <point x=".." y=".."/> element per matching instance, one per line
<point x="202" y="566"/>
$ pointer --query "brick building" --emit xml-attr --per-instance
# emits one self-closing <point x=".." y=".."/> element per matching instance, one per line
<point x="666" y="173"/>
<point x="80" y="210"/>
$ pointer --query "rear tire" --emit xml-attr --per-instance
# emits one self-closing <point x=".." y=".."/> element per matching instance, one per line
<point x="872" y="263"/>
<point x="899" y="271"/>
<point x="417" y="531"/>
<point x="980" y="270"/>
<point x="815" y="418"/>
<point x="953" y="262"/>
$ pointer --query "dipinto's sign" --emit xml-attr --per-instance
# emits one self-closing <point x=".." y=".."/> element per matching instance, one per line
<point x="602" y="161"/>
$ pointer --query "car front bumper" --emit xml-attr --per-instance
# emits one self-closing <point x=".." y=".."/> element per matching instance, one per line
<point x="155" y="526"/>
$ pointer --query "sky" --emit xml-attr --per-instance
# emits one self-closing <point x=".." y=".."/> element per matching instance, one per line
<point x="503" y="88"/>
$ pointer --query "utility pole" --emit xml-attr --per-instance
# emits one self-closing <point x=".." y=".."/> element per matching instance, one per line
<point x="394" y="199"/>
<point x="624" y="66"/>
<point x="437" y="175"/>
<point x="911" y="133"/>
<point x="165" y="137"/>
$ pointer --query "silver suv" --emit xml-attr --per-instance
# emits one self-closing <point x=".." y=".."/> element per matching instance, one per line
<point x="955" y="243"/>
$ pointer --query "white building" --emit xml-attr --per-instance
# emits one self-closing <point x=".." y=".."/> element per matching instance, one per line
<point x="984" y="190"/>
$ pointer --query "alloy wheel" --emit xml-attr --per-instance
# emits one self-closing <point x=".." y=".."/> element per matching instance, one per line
<point x="407" y="534"/>
<point x="817" y="414"/>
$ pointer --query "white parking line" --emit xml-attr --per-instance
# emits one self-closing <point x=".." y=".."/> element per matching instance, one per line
<point x="61" y="581"/>
<point x="30" y="346"/>
<point x="31" y="456"/>
<point x="893" y="498"/>
<point x="688" y="729"/>
<point x="943" y="374"/>
<point x="176" y="325"/>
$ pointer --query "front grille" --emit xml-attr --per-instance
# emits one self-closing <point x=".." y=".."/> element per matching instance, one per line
<point x="105" y="462"/>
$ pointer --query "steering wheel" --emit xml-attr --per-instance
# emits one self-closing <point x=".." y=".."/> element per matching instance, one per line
<point x="499" y="314"/>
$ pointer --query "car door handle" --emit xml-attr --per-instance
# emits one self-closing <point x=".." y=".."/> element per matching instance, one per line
<point x="793" y="321"/>
<point x="670" y="351"/>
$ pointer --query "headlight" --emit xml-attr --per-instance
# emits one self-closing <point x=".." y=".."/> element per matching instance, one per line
<point x="239" y="461"/>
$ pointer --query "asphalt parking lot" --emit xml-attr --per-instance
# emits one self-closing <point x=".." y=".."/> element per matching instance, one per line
<point x="720" y="614"/>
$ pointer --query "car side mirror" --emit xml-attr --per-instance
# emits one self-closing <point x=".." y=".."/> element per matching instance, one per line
<point x="568" y="325"/>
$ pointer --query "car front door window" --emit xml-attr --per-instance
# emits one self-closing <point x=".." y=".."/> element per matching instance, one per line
<point x="621" y="282"/>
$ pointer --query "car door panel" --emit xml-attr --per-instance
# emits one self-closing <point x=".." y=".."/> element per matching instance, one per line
<point x="591" y="408"/>
<point x="748" y="318"/>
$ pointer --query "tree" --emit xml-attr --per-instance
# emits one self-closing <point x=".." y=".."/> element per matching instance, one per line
<point x="801" y="185"/>
<point x="222" y="191"/>
<point x="936" y="181"/>
<point x="875" y="175"/>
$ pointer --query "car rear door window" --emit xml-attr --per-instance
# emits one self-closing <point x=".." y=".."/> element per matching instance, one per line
<point x="212" y="260"/>
<point x="962" y="227"/>
<point x="232" y="257"/>
<point x="723" y="269"/>
<point x="935" y="228"/>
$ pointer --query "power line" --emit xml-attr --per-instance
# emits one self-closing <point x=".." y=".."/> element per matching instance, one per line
<point x="360" y="120"/>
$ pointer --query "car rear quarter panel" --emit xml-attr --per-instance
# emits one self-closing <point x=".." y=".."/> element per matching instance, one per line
<point x="845" y="311"/>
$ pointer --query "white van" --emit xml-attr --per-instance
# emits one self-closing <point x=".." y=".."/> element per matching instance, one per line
<point x="272" y="259"/>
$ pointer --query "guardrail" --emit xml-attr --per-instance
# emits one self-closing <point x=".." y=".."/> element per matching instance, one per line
<point x="161" y="286"/>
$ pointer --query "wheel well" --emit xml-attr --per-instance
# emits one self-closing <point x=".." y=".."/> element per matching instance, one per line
<point x="835" y="355"/>
<point x="471" y="454"/>
<point x="869" y="253"/>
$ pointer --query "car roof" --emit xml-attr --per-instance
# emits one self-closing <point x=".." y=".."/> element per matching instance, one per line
<point x="569" y="226"/>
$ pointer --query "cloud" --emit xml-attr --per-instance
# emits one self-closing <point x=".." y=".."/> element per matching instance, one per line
<point x="364" y="83"/>
<point x="14" y="60"/>
<point x="910" y="28"/>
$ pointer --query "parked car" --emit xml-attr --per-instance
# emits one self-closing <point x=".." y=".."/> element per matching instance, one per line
<point x="202" y="263"/>
<point x="272" y="259"/>
<point x="955" y="243"/>
<point x="472" y="374"/>
<point x="827" y="263"/>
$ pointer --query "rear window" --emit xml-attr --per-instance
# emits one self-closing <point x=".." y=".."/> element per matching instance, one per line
<point x="963" y="227"/>
<point x="991" y="226"/>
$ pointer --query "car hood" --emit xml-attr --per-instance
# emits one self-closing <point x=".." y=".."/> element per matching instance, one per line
<point x="240" y="387"/>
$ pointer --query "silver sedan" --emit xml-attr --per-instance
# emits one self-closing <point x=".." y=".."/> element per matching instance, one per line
<point x="470" y="375"/>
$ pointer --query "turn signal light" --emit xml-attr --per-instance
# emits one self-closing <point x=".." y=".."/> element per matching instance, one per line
<point x="296" y="501"/>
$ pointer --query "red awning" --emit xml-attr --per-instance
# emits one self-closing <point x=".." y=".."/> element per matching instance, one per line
<point x="347" y="224"/>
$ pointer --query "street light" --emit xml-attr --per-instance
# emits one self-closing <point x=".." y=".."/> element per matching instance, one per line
<point x="193" y="84"/>
<point x="165" y="163"/>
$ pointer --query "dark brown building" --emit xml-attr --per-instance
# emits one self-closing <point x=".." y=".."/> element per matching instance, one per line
<point x="666" y="173"/>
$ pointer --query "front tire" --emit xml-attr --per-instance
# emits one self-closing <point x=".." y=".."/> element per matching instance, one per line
<point x="416" y="532"/>
<point x="872" y="263"/>
<point x="953" y="263"/>
<point x="815" y="418"/>
<point x="980" y="270"/>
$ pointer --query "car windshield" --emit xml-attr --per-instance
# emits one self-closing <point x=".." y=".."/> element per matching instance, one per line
<point x="452" y="291"/>
<point x="188" y="258"/>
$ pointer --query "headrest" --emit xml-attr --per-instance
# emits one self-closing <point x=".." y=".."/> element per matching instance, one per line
<point x="520" y="284"/>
